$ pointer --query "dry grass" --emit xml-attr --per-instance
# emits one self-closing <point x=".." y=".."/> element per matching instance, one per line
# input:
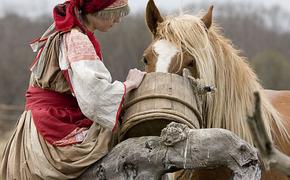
<point x="8" y="118"/>
<point x="9" y="114"/>
<point x="3" y="142"/>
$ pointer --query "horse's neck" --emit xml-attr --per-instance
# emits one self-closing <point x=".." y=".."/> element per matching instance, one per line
<point x="236" y="82"/>
<point x="231" y="68"/>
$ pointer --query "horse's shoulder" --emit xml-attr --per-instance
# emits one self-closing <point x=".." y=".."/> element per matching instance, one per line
<point x="281" y="102"/>
<point x="278" y="96"/>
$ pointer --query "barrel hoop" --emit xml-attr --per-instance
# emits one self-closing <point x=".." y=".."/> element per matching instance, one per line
<point x="162" y="113"/>
<point x="151" y="115"/>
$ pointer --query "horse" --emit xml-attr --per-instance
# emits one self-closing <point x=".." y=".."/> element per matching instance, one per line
<point x="196" y="43"/>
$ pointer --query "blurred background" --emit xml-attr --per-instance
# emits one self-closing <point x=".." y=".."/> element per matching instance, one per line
<point x="260" y="29"/>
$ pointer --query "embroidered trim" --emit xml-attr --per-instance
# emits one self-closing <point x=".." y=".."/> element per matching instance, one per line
<point x="76" y="136"/>
<point x="80" y="47"/>
<point x="120" y="108"/>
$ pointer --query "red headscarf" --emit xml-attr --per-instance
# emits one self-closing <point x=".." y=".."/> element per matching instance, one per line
<point x="66" y="16"/>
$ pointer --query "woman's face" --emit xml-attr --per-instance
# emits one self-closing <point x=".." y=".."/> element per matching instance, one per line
<point x="95" y="22"/>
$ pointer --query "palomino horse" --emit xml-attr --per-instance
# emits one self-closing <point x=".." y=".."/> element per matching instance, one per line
<point x="196" y="43"/>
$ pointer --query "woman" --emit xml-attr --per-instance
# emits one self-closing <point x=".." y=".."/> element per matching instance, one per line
<point x="72" y="106"/>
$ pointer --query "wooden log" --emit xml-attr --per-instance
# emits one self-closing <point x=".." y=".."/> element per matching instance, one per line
<point x="178" y="147"/>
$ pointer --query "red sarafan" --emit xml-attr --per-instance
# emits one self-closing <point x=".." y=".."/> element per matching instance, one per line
<point x="196" y="43"/>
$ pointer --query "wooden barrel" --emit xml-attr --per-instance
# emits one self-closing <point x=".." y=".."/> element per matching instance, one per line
<point x="160" y="99"/>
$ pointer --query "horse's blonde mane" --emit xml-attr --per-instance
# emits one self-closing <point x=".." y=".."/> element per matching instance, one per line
<point x="219" y="64"/>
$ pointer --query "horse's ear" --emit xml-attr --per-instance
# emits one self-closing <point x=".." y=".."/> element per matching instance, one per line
<point x="153" y="16"/>
<point x="207" y="19"/>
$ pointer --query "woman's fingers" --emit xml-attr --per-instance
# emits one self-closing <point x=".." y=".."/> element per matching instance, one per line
<point x="134" y="78"/>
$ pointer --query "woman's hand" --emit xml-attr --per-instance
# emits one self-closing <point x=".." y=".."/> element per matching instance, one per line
<point x="134" y="79"/>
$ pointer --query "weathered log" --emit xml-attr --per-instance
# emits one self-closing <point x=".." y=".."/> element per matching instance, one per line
<point x="272" y="157"/>
<point x="178" y="147"/>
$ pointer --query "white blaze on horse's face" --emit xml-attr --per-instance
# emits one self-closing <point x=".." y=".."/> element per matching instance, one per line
<point x="165" y="51"/>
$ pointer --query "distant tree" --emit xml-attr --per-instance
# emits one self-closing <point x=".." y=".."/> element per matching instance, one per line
<point x="273" y="69"/>
<point x="16" y="55"/>
<point x="255" y="29"/>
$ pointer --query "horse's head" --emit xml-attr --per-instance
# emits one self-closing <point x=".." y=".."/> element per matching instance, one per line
<point x="177" y="41"/>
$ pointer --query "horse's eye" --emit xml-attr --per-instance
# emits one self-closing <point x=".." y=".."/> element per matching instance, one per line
<point x="144" y="60"/>
<point x="191" y="64"/>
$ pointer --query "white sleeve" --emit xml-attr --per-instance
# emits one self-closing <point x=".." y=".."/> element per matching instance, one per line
<point x="99" y="99"/>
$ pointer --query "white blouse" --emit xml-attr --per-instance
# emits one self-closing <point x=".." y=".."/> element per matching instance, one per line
<point x="99" y="98"/>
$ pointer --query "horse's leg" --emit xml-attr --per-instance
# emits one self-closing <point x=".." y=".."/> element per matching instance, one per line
<point x="221" y="173"/>
<point x="281" y="101"/>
